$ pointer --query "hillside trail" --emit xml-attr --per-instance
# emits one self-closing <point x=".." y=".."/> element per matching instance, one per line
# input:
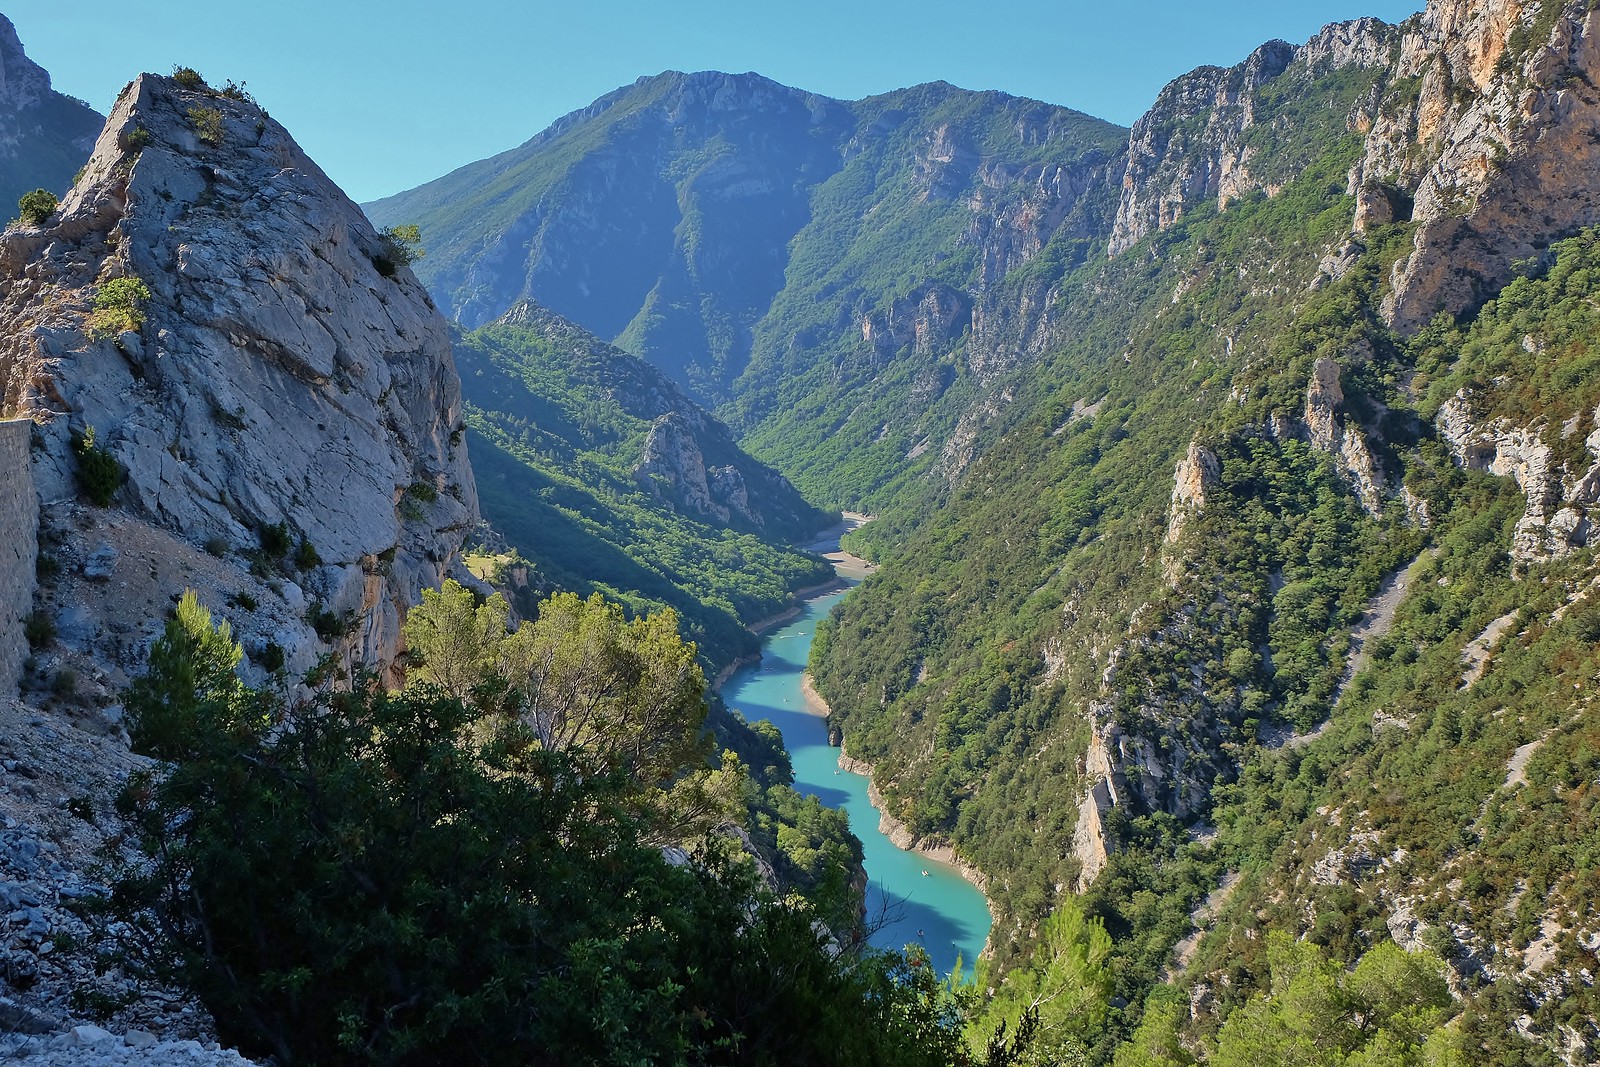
<point x="1375" y="622"/>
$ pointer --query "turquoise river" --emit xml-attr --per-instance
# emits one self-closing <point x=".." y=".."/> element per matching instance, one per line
<point x="917" y="900"/>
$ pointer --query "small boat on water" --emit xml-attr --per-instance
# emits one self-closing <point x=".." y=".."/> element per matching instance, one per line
<point x="924" y="874"/>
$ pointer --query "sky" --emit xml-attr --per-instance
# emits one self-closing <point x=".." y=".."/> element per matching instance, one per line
<point x="388" y="94"/>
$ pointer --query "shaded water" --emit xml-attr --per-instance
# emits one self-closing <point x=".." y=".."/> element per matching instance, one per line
<point x="916" y="899"/>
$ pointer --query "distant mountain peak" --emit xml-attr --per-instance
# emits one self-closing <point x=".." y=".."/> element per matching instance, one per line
<point x="44" y="135"/>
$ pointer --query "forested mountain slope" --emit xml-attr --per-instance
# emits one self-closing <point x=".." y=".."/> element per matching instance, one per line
<point x="1236" y="477"/>
<point x="606" y="477"/>
<point x="813" y="268"/>
<point x="1271" y="578"/>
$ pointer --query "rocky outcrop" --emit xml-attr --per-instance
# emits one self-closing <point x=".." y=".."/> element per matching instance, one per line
<point x="929" y="321"/>
<point x="1197" y="141"/>
<point x="1195" y="473"/>
<point x="1327" y="428"/>
<point x="531" y="360"/>
<point x="1491" y="126"/>
<point x="284" y="389"/>
<point x="1561" y="509"/>
<point x="44" y="135"/>
<point x="674" y="466"/>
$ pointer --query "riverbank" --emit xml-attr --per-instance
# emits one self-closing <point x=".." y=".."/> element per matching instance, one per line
<point x="896" y="831"/>
<point x="847" y="571"/>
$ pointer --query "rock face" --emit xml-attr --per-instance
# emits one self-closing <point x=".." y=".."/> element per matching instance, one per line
<point x="1480" y="122"/>
<point x="1562" y="502"/>
<point x="1198" y="141"/>
<point x="1498" y="145"/>
<point x="44" y="135"/>
<point x="19" y="548"/>
<point x="290" y="390"/>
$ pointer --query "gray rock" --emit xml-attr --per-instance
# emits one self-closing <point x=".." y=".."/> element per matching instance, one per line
<point x="280" y="375"/>
<point x="102" y="562"/>
<point x="89" y="1036"/>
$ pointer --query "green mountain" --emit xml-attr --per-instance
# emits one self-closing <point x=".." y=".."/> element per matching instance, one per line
<point x="45" y="136"/>
<point x="802" y="264"/>
<point x="1237" y="476"/>
<point x="606" y="477"/>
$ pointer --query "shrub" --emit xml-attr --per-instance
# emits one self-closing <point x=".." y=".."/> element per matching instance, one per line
<point x="217" y="545"/>
<point x="275" y="540"/>
<point x="401" y="246"/>
<point x="207" y="123"/>
<point x="271" y="657"/>
<point x="134" y="140"/>
<point x="39" y="628"/>
<point x="99" y="473"/>
<point x="118" y="307"/>
<point x="305" y="557"/>
<point x="36" y="207"/>
<point x="188" y="77"/>
<point x="191" y="672"/>
<point x="394" y="879"/>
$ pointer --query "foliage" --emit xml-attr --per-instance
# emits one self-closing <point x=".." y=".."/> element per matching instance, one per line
<point x="1060" y="998"/>
<point x="35" y="208"/>
<point x="401" y="246"/>
<point x="621" y="698"/>
<point x="118" y="307"/>
<point x="99" y="473"/>
<point x="559" y="422"/>
<point x="1316" y="1013"/>
<point x="191" y="673"/>
<point x="391" y="879"/>
<point x="188" y="77"/>
<point x="207" y="123"/>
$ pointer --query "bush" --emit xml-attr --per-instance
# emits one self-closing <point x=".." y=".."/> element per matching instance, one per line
<point x="306" y="557"/>
<point x="401" y="246"/>
<point x="207" y="123"/>
<point x="377" y="879"/>
<point x="118" y="307"/>
<point x="36" y="207"/>
<point x="188" y="77"/>
<point x="39" y="628"/>
<point x="134" y="140"/>
<point x="271" y="658"/>
<point x="275" y="540"/>
<point x="99" y="473"/>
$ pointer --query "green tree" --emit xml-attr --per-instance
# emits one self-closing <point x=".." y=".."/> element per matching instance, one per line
<point x="1065" y="987"/>
<point x="36" y="207"/>
<point x="375" y="878"/>
<point x="618" y="696"/>
<point x="191" y="671"/>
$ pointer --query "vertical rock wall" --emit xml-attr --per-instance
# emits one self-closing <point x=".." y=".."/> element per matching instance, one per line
<point x="19" y="548"/>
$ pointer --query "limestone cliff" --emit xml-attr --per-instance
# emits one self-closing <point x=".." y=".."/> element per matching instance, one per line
<point x="44" y="135"/>
<point x="1210" y="135"/>
<point x="1561" y="497"/>
<point x="1490" y="126"/>
<point x="284" y="390"/>
<point x="1479" y="120"/>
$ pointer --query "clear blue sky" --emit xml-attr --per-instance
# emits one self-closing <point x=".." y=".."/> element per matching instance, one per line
<point x="387" y="94"/>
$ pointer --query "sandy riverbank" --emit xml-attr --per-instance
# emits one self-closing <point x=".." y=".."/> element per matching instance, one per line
<point x="847" y="570"/>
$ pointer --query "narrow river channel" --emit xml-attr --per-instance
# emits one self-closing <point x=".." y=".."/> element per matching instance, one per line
<point x="915" y="899"/>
